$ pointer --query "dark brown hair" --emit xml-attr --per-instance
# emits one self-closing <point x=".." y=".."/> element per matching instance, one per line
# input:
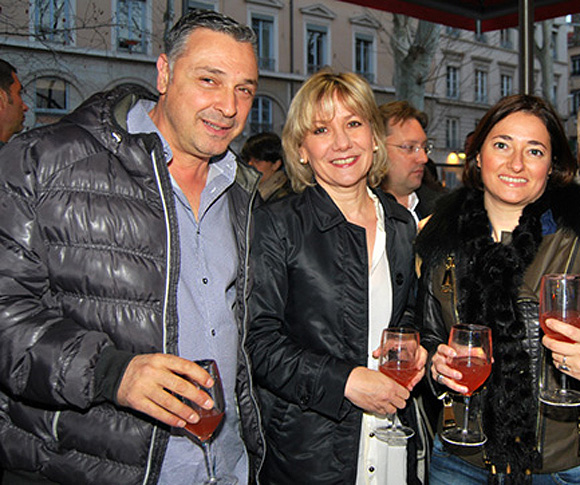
<point x="564" y="166"/>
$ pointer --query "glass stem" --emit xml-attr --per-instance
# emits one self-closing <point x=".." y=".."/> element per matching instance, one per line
<point x="563" y="382"/>
<point x="466" y="414"/>
<point x="209" y="462"/>
<point x="391" y="419"/>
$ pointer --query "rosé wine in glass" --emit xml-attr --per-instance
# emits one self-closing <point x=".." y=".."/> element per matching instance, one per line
<point x="209" y="421"/>
<point x="559" y="299"/>
<point x="474" y="370"/>
<point x="572" y="317"/>
<point x="403" y="372"/>
<point x="472" y="344"/>
<point x="398" y="356"/>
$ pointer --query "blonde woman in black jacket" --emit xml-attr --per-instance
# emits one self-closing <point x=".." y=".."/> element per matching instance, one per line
<point x="333" y="267"/>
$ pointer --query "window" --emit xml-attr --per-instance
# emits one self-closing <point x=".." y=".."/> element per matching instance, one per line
<point x="52" y="21"/>
<point x="506" y="85"/>
<point x="363" y="57"/>
<point x="555" y="45"/>
<point x="189" y="5"/>
<point x="575" y="66"/>
<point x="451" y="133"/>
<point x="264" y="28"/>
<point x="480" y="86"/>
<point x="51" y="100"/>
<point x="261" y="115"/>
<point x="316" y="45"/>
<point x="132" y="25"/>
<point x="505" y="39"/>
<point x="452" y="78"/>
<point x="575" y="102"/>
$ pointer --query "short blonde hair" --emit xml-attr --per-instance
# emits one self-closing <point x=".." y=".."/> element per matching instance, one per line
<point x="315" y="96"/>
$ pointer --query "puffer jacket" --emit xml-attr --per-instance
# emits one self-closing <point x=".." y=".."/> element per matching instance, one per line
<point x="309" y="329"/>
<point x="555" y="432"/>
<point x="88" y="279"/>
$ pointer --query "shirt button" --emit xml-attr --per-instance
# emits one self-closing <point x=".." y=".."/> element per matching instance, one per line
<point x="371" y="435"/>
<point x="371" y="469"/>
<point x="204" y="281"/>
<point x="213" y="332"/>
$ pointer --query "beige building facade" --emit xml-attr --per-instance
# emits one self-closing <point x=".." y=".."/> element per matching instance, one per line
<point x="66" y="50"/>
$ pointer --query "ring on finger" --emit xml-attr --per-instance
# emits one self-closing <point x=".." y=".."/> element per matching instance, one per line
<point x="563" y="366"/>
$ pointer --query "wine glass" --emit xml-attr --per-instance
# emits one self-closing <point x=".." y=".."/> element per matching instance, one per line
<point x="398" y="359"/>
<point x="559" y="299"/>
<point x="472" y="343"/>
<point x="209" y="420"/>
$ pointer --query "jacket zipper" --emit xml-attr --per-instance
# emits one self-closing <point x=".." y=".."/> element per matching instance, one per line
<point x="244" y="332"/>
<point x="165" y="302"/>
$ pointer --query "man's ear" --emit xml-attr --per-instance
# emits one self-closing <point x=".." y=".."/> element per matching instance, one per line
<point x="3" y="99"/>
<point x="163" y="73"/>
<point x="277" y="164"/>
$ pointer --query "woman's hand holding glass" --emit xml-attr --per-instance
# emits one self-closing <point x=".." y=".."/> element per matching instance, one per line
<point x="443" y="373"/>
<point x="374" y="392"/>
<point x="401" y="358"/>
<point x="469" y="358"/>
<point x="565" y="352"/>
<point x="559" y="311"/>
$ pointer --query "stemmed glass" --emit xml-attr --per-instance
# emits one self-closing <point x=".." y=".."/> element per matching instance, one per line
<point x="559" y="299"/>
<point x="474" y="354"/>
<point x="209" y="420"/>
<point x="398" y="360"/>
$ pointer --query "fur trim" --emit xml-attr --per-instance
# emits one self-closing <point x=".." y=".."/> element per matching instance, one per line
<point x="440" y="235"/>
<point x="489" y="276"/>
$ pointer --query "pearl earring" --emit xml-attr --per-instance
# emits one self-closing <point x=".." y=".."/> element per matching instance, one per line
<point x="302" y="161"/>
<point x="375" y="149"/>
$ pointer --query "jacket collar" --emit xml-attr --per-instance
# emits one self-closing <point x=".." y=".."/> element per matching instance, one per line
<point x="327" y="214"/>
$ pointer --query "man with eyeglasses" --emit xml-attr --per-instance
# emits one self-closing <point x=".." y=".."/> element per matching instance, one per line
<point x="408" y="149"/>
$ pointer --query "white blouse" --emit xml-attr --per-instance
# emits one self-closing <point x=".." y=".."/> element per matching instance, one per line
<point x="379" y="463"/>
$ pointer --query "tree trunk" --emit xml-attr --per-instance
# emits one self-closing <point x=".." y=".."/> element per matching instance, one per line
<point x="546" y="59"/>
<point x="413" y="55"/>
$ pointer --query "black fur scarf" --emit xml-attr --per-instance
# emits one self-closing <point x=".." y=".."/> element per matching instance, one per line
<point x="489" y="275"/>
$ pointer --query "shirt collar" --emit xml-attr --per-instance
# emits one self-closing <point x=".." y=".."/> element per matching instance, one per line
<point x="139" y="121"/>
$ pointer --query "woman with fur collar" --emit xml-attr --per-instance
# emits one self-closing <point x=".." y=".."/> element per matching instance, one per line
<point x="483" y="254"/>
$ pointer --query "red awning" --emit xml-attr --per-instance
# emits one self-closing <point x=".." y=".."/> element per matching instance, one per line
<point x="464" y="14"/>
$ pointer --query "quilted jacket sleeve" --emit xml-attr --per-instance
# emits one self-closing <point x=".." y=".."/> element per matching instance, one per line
<point x="44" y="356"/>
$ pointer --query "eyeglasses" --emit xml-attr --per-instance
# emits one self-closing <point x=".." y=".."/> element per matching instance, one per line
<point x="412" y="149"/>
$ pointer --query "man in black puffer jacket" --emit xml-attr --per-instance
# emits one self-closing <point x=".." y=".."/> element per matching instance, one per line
<point x="124" y="242"/>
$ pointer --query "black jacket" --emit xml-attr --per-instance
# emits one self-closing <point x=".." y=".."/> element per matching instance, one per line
<point x="309" y="329"/>
<point x="88" y="278"/>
